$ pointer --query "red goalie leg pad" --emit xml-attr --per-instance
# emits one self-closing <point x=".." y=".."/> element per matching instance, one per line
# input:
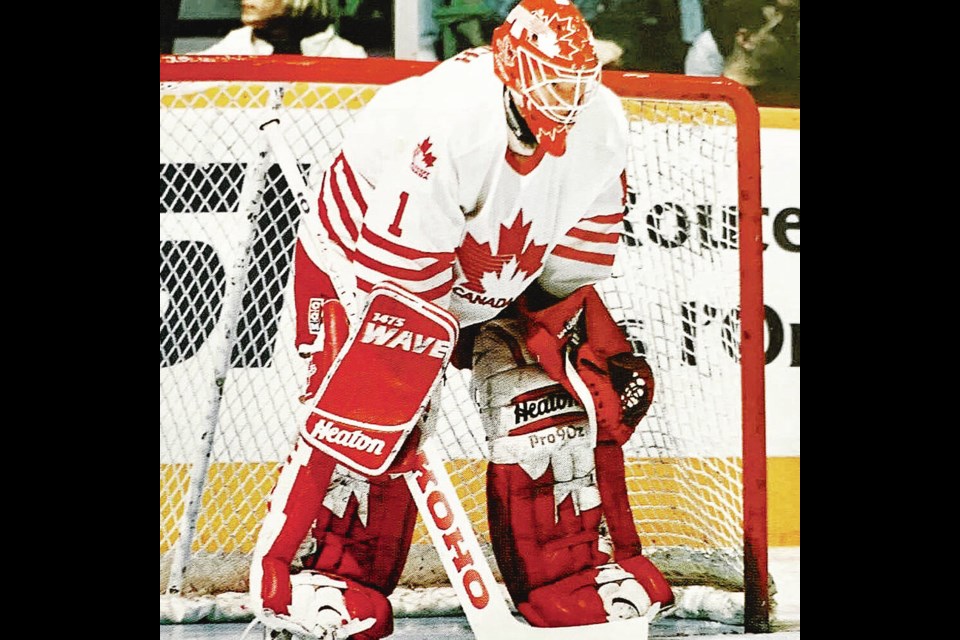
<point x="623" y="532"/>
<point x="534" y="541"/>
<point x="363" y="602"/>
<point x="293" y="506"/>
<point x="612" y="483"/>
<point x="370" y="539"/>
<point x="569" y="602"/>
<point x="650" y="578"/>
<point x="592" y="597"/>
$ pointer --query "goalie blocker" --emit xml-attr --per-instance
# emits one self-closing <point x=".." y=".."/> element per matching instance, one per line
<point x="559" y="392"/>
<point x="342" y="477"/>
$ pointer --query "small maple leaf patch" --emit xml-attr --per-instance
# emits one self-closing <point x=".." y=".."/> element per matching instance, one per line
<point x="422" y="159"/>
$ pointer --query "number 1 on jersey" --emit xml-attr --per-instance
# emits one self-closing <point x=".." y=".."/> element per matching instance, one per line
<point x="394" y="228"/>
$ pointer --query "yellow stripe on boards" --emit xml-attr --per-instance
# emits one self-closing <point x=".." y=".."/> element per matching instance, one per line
<point x="779" y="118"/>
<point x="235" y="499"/>
<point x="714" y="114"/>
<point x="321" y="96"/>
<point x="783" y="501"/>
<point x="299" y="95"/>
<point x="234" y="503"/>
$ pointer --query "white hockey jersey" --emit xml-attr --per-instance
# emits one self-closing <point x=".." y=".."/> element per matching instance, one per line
<point x="424" y="193"/>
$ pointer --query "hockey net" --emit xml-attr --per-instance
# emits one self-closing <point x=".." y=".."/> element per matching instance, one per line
<point x="686" y="287"/>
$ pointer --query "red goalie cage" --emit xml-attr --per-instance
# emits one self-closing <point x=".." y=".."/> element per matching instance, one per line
<point x="687" y="287"/>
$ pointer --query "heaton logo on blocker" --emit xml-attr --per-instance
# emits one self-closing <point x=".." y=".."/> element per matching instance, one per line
<point x="360" y="447"/>
<point x="330" y="433"/>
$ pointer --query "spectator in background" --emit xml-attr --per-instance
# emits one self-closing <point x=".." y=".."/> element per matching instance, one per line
<point x="285" y="26"/>
<point x="691" y="20"/>
<point x="429" y="34"/>
<point x="756" y="43"/>
<point x="650" y="33"/>
<point x="722" y="18"/>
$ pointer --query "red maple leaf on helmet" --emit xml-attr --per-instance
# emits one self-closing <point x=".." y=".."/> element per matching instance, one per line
<point x="478" y="259"/>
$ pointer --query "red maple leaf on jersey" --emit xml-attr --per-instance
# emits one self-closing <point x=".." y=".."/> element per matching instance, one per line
<point x="512" y="262"/>
<point x="423" y="159"/>
<point x="428" y="158"/>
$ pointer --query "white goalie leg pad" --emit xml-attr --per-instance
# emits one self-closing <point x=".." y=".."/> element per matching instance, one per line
<point x="623" y="597"/>
<point x="318" y="610"/>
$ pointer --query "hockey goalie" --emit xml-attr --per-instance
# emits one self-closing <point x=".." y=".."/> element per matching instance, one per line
<point x="462" y="223"/>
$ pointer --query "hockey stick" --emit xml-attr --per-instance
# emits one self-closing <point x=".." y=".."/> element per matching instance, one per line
<point x="324" y="253"/>
<point x="470" y="574"/>
<point x="450" y="528"/>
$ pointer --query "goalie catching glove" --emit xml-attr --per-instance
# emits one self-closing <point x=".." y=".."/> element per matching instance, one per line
<point x="555" y="473"/>
<point x="579" y="329"/>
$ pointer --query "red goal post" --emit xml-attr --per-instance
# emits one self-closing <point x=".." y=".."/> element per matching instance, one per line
<point x="229" y="376"/>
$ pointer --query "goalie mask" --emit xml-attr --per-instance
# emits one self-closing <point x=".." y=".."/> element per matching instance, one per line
<point x="544" y="53"/>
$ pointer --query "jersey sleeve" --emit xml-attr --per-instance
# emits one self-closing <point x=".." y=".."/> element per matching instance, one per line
<point x="585" y="255"/>
<point x="389" y="202"/>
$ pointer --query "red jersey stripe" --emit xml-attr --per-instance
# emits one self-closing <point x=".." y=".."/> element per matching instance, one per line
<point x="325" y="221"/>
<point x="364" y="286"/>
<point x="342" y="206"/>
<point x="402" y="251"/>
<point x="610" y="218"/>
<point x="400" y="273"/>
<point x="352" y="183"/>
<point x="430" y="295"/>
<point x="437" y="292"/>
<point x="593" y="236"/>
<point x="584" y="256"/>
